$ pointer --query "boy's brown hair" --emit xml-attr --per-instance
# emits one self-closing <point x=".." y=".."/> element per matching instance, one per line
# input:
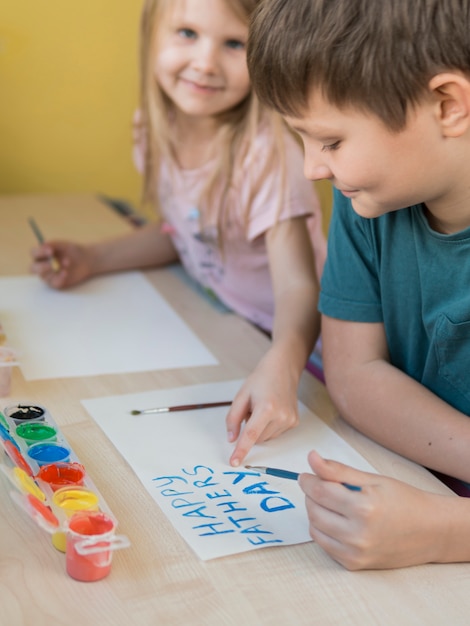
<point x="374" y="55"/>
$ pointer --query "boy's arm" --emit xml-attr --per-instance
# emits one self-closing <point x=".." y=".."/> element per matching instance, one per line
<point x="387" y="524"/>
<point x="268" y="399"/>
<point x="388" y="405"/>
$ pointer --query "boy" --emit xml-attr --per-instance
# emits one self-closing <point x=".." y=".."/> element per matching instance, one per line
<point x="379" y="92"/>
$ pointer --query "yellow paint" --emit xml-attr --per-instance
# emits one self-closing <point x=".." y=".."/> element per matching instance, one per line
<point x="71" y="500"/>
<point x="26" y="484"/>
<point x="69" y="85"/>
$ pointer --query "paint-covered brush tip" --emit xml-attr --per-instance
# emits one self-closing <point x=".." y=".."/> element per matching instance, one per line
<point x="135" y="412"/>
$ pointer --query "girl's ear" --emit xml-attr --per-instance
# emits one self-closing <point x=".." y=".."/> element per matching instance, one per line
<point x="451" y="93"/>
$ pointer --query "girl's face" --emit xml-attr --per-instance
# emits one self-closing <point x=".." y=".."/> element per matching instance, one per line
<point x="200" y="60"/>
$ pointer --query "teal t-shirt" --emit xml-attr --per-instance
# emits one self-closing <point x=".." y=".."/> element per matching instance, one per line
<point x="395" y="269"/>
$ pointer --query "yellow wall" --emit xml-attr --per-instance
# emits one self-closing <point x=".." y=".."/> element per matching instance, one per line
<point x="68" y="88"/>
<point x="325" y="195"/>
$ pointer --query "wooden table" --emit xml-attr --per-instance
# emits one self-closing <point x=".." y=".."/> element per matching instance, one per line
<point x="158" y="580"/>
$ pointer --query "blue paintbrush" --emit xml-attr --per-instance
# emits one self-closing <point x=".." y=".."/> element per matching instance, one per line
<point x="281" y="473"/>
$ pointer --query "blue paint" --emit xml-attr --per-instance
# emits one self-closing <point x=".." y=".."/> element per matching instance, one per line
<point x="5" y="435"/>
<point x="44" y="453"/>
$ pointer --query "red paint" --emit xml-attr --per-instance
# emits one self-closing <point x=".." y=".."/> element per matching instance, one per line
<point x="59" y="475"/>
<point x="17" y="458"/>
<point x="43" y="510"/>
<point x="90" y="532"/>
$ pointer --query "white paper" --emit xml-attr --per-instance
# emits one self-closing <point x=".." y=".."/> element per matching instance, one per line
<point x="182" y="460"/>
<point x="111" y="324"/>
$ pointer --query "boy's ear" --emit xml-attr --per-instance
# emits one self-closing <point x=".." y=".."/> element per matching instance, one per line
<point x="451" y="92"/>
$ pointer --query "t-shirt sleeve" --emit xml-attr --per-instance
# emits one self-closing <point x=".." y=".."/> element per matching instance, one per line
<point x="350" y="287"/>
<point x="266" y="206"/>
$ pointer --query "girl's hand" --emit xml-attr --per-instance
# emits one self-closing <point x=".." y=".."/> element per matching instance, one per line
<point x="387" y="524"/>
<point x="267" y="402"/>
<point x="73" y="260"/>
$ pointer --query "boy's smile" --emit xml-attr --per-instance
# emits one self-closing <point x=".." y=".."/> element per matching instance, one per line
<point x="379" y="170"/>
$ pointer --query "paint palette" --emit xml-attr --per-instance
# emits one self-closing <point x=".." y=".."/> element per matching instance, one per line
<point x="53" y="487"/>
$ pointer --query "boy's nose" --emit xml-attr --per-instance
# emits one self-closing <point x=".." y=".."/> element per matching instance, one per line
<point x="315" y="168"/>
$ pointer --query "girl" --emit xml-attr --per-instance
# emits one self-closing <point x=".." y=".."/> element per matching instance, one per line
<point x="227" y="178"/>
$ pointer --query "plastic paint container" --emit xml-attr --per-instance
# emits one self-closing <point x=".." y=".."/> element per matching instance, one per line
<point x="90" y="542"/>
<point x="35" y="432"/>
<point x="58" y="475"/>
<point x="70" y="500"/>
<point x="22" y="413"/>
<point x="52" y="452"/>
<point x="8" y="359"/>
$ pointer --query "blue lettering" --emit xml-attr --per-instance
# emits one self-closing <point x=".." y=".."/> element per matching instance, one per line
<point x="173" y="492"/>
<point x="238" y="522"/>
<point x="170" y="480"/>
<point x="198" y="513"/>
<point x="258" y="488"/>
<point x="214" y="530"/>
<point x="196" y="469"/>
<point x="214" y="495"/>
<point x="240" y="475"/>
<point x="231" y="507"/>
<point x="259" y="541"/>
<point x="179" y="503"/>
<point x="256" y="530"/>
<point x="205" y="483"/>
<point x="281" y="507"/>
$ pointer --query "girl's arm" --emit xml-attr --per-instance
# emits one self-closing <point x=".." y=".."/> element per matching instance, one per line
<point x="268" y="399"/>
<point x="387" y="524"/>
<point x="386" y="404"/>
<point x="143" y="247"/>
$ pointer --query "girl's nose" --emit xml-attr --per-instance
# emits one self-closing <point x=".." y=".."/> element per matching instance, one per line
<point x="205" y="57"/>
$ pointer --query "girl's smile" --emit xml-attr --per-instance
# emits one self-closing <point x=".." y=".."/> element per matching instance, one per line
<point x="200" y="61"/>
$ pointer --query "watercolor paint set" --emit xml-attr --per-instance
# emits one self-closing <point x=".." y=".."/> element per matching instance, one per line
<point x="53" y="487"/>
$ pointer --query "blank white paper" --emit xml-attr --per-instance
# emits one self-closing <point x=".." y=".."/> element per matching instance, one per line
<point x="108" y="325"/>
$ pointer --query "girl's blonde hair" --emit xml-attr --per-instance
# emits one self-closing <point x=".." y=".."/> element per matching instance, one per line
<point x="238" y="126"/>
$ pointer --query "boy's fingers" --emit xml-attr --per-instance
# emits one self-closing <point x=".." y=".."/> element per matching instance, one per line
<point x="334" y="471"/>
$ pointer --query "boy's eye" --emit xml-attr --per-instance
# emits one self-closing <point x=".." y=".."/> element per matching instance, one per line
<point x="187" y="33"/>
<point x="234" y="44"/>
<point x="331" y="146"/>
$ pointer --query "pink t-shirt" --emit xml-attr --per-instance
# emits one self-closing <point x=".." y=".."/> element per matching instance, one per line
<point x="239" y="275"/>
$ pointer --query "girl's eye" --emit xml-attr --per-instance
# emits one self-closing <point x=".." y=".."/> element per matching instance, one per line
<point x="234" y="44"/>
<point x="187" y="33"/>
<point x="331" y="146"/>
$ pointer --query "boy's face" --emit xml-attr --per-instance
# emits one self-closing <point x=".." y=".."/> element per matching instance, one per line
<point x="379" y="170"/>
<point x="201" y="60"/>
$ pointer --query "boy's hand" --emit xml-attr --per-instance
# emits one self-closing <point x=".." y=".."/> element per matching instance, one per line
<point x="267" y="402"/>
<point x="387" y="524"/>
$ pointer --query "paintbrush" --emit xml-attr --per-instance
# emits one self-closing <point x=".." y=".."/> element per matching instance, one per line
<point x="40" y="237"/>
<point x="181" y="407"/>
<point x="281" y="473"/>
